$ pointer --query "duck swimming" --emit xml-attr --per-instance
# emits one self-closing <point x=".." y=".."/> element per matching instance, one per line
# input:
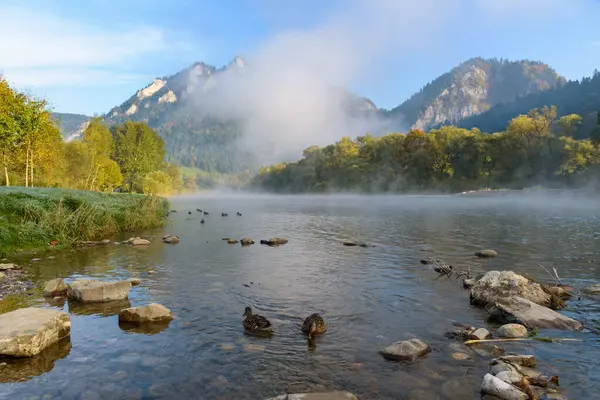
<point x="205" y="213"/>
<point x="314" y="324"/>
<point x="202" y="221"/>
<point x="239" y="214"/>
<point x="224" y="215"/>
<point x="255" y="322"/>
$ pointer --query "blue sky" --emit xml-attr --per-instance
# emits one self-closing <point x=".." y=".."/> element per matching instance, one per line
<point x="88" y="56"/>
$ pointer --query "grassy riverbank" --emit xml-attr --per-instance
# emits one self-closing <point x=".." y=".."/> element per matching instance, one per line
<point x="32" y="217"/>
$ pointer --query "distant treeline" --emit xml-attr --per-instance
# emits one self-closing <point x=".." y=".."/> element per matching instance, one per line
<point x="536" y="148"/>
<point x="128" y="157"/>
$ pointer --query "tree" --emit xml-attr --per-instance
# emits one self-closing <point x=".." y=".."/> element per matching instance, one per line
<point x="139" y="151"/>
<point x="32" y="118"/>
<point x="568" y="124"/>
<point x="176" y="177"/>
<point x="100" y="145"/>
<point x="9" y="127"/>
<point x="157" y="183"/>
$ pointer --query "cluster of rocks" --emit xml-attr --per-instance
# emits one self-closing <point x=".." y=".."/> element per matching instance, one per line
<point x="28" y="331"/>
<point x="13" y="280"/>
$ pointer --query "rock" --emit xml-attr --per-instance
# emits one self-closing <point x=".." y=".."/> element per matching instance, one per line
<point x="28" y="331"/>
<point x="500" y="366"/>
<point x="469" y="283"/>
<point x="2" y="275"/>
<point x="427" y="261"/>
<point x="246" y="242"/>
<point x="407" y="350"/>
<point x="512" y="331"/>
<point x="524" y="360"/>
<point x="340" y="395"/>
<point x="510" y="377"/>
<point x="55" y="287"/>
<point x="533" y="315"/>
<point x="137" y="241"/>
<point x="495" y="285"/>
<point x="497" y="387"/>
<point x="232" y="241"/>
<point x="480" y="334"/>
<point x="594" y="289"/>
<point x="254" y="347"/>
<point x="151" y="272"/>
<point x="35" y="260"/>
<point x="135" y="281"/>
<point x="151" y="313"/>
<point x="460" y="356"/>
<point x="460" y="334"/>
<point x="559" y="292"/>
<point x="92" y="291"/>
<point x="350" y="243"/>
<point x="274" y="241"/>
<point x="170" y="239"/>
<point x="6" y="267"/>
<point x="486" y="253"/>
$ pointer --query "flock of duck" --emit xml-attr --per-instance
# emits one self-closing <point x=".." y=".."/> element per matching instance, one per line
<point x="314" y="324"/>
<point x="239" y="214"/>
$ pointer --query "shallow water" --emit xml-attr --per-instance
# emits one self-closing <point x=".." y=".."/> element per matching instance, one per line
<point x="369" y="297"/>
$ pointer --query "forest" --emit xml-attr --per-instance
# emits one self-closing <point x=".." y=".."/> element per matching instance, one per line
<point x="535" y="149"/>
<point x="127" y="157"/>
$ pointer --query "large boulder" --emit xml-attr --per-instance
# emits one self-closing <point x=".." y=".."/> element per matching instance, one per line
<point x="532" y="315"/>
<point x="407" y="350"/>
<point x="92" y="291"/>
<point x="150" y="313"/>
<point x="55" y="287"/>
<point x="137" y="241"/>
<point x="495" y="286"/>
<point x="28" y="331"/>
<point x="274" y="241"/>
<point x="170" y="239"/>
<point x="317" y="396"/>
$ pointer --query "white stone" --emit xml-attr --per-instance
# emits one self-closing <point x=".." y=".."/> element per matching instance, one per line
<point x="480" y="334"/>
<point x="6" y="267"/>
<point x="497" y="387"/>
<point x="533" y="315"/>
<point x="497" y="285"/>
<point x="28" y="331"/>
<point x="92" y="291"/>
<point x="512" y="331"/>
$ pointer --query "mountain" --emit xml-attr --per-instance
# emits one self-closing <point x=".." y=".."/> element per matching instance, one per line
<point x="71" y="125"/>
<point x="575" y="97"/>
<point x="473" y="88"/>
<point x="178" y="107"/>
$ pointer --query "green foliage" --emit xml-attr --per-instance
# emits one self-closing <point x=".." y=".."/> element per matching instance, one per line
<point x="32" y="217"/>
<point x="157" y="183"/>
<point x="450" y="158"/>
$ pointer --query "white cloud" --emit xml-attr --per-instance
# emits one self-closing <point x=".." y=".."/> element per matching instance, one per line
<point x="54" y="51"/>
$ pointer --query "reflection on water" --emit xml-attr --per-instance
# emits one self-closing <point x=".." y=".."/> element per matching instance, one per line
<point x="102" y="309"/>
<point x="147" y="329"/>
<point x="24" y="369"/>
<point x="369" y="298"/>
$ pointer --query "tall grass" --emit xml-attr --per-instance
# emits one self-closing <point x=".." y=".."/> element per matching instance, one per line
<point x="30" y="218"/>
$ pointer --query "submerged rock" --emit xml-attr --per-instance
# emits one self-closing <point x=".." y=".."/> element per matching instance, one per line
<point x="339" y="395"/>
<point x="246" y="241"/>
<point x="532" y="315"/>
<point x="486" y="253"/>
<point x="92" y="291"/>
<point x="480" y="334"/>
<point x="170" y="239"/>
<point x="495" y="285"/>
<point x="232" y="241"/>
<point x="274" y="241"/>
<point x="407" y="350"/>
<point x="512" y="331"/>
<point x="526" y="360"/>
<point x="28" y="331"/>
<point x="151" y="313"/>
<point x="135" y="281"/>
<point x="594" y="289"/>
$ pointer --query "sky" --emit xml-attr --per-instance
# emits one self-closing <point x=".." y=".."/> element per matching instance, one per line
<point x="89" y="56"/>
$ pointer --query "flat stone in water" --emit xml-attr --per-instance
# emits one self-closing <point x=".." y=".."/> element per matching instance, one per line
<point x="93" y="291"/>
<point x="317" y="396"/>
<point x="460" y="356"/>
<point x="408" y="350"/>
<point x="28" y="331"/>
<point x="5" y="267"/>
<point x="227" y="346"/>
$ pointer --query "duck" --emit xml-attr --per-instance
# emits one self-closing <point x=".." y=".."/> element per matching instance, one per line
<point x="255" y="322"/>
<point x="314" y="324"/>
<point x="202" y="221"/>
<point x="223" y="215"/>
<point x="239" y="214"/>
<point x="189" y="212"/>
<point x="199" y="210"/>
<point x="205" y="213"/>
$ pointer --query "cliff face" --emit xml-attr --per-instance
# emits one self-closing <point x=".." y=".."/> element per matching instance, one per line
<point x="472" y="88"/>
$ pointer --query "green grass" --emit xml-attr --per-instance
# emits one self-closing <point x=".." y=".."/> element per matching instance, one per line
<point x="31" y="217"/>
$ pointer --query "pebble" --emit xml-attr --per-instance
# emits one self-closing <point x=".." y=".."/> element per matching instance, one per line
<point x="254" y="347"/>
<point x="35" y="260"/>
<point x="151" y="272"/>
<point x="460" y="356"/>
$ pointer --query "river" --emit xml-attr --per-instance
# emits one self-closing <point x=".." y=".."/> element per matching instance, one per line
<point x="370" y="297"/>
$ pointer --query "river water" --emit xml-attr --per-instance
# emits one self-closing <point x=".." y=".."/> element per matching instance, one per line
<point x="370" y="297"/>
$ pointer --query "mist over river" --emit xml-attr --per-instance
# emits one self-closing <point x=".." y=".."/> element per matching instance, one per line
<point x="369" y="297"/>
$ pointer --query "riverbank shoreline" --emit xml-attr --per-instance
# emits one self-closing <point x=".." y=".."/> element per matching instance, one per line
<point x="34" y="219"/>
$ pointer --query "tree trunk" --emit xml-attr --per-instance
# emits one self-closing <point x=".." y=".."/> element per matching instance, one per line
<point x="31" y="170"/>
<point x="6" y="170"/>
<point x="90" y="173"/>
<point x="95" y="176"/>
<point x="27" y="166"/>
